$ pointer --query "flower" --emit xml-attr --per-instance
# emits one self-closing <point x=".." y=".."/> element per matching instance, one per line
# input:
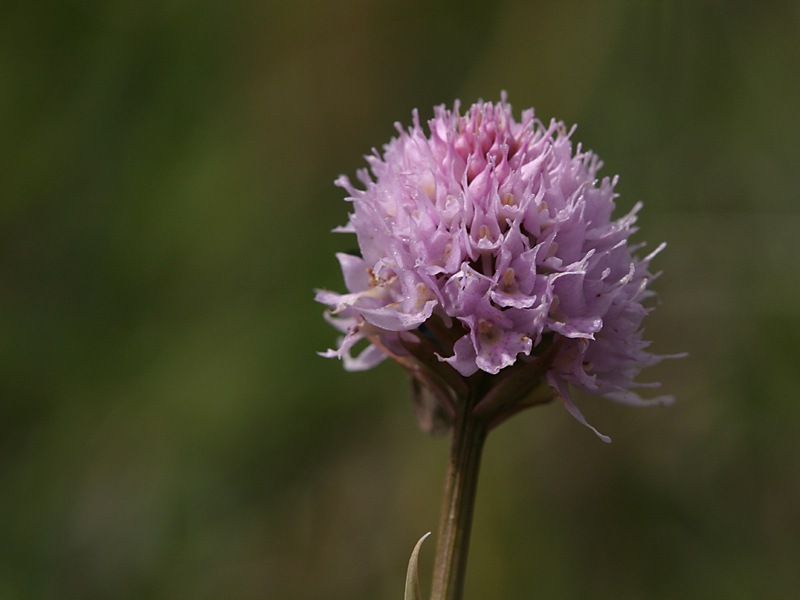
<point x="488" y="246"/>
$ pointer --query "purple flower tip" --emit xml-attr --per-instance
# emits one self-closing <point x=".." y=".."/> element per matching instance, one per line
<point x="491" y="240"/>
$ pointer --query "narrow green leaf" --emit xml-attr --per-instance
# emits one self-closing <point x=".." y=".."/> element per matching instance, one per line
<point x="412" y="575"/>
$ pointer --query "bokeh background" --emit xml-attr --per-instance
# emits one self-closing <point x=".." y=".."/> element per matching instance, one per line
<point x="166" y="201"/>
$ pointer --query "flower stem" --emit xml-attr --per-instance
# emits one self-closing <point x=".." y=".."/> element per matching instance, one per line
<point x="455" y="521"/>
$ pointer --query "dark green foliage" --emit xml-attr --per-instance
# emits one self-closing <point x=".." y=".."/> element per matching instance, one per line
<point x="166" y="197"/>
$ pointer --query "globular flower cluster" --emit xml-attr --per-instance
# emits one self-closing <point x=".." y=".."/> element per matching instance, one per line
<point x="491" y="242"/>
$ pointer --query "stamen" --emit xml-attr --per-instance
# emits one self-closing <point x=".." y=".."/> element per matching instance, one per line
<point x="508" y="278"/>
<point x="448" y="250"/>
<point x="488" y="330"/>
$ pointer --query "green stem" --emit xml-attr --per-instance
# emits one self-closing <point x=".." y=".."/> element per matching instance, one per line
<point x="461" y="483"/>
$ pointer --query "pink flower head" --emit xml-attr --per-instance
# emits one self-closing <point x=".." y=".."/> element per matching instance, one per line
<point x="488" y="245"/>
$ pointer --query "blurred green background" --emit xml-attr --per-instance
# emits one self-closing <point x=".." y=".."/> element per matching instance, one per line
<point x="166" y="200"/>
